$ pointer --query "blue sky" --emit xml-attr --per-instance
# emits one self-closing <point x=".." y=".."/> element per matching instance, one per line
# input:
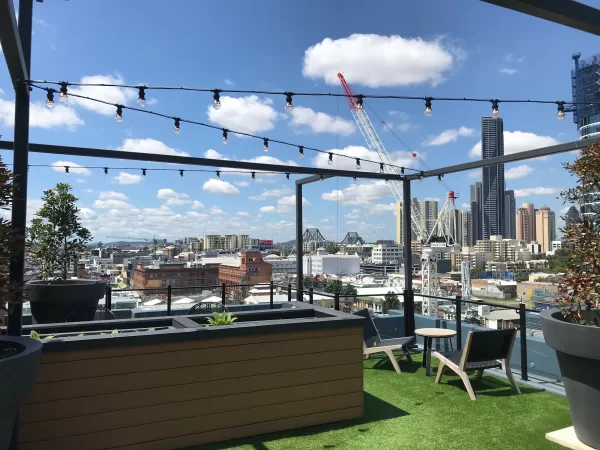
<point x="466" y="48"/>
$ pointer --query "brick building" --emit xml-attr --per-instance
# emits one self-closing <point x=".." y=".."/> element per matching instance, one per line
<point x="249" y="269"/>
<point x="177" y="275"/>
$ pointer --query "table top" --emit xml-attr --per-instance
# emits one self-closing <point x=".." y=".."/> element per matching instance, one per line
<point x="435" y="332"/>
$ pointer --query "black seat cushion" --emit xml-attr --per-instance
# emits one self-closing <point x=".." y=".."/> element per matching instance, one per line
<point x="456" y="356"/>
<point x="397" y="342"/>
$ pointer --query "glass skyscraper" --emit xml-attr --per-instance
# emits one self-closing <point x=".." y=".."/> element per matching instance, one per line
<point x="492" y="145"/>
<point x="585" y="84"/>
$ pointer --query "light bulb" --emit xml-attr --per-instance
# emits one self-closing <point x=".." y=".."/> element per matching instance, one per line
<point x="495" y="109"/>
<point x="381" y="169"/>
<point x="141" y="96"/>
<point x="357" y="164"/>
<point x="287" y="176"/>
<point x="560" y="115"/>
<point x="266" y="145"/>
<point x="63" y="92"/>
<point x="50" y="100"/>
<point x="321" y="177"/>
<point x="119" y="115"/>
<point x="288" y="102"/>
<point x="253" y="176"/>
<point x="289" y="107"/>
<point x="177" y="126"/>
<point x="301" y="150"/>
<point x="330" y="160"/>
<point x="217" y="104"/>
<point x="216" y="99"/>
<point x="218" y="175"/>
<point x="106" y="172"/>
<point x="428" y="112"/>
<point x="64" y="98"/>
<point x="224" y="136"/>
<point x="141" y="102"/>
<point x="428" y="109"/>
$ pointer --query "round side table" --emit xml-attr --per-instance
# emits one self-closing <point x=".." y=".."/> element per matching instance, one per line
<point x="430" y="334"/>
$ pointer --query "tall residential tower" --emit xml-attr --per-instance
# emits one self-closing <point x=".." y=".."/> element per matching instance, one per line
<point x="492" y="145"/>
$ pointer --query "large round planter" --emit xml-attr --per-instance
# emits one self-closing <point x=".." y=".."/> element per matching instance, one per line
<point x="578" y="352"/>
<point x="17" y="377"/>
<point x="64" y="300"/>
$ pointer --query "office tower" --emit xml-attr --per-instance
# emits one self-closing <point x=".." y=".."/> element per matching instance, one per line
<point x="510" y="215"/>
<point x="572" y="214"/>
<point x="545" y="223"/>
<point x="428" y="210"/>
<point x="466" y="231"/>
<point x="476" y="212"/>
<point x="584" y="84"/>
<point x="400" y="225"/>
<point x="492" y="145"/>
<point x="525" y="223"/>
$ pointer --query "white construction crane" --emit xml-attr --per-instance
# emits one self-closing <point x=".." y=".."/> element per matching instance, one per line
<point x="376" y="146"/>
<point x="445" y="229"/>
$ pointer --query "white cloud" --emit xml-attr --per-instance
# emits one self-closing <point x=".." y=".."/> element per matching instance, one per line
<point x="449" y="136"/>
<point x="127" y="178"/>
<point x="241" y="183"/>
<point x="377" y="61"/>
<point x="354" y="214"/>
<point x="431" y="199"/>
<point x="215" y="210"/>
<point x="80" y="180"/>
<point x="271" y="193"/>
<point x="319" y="122"/>
<point x="40" y="116"/>
<point x="518" y="141"/>
<point x="508" y="71"/>
<point x="268" y="209"/>
<point x="382" y="209"/>
<point x="361" y="194"/>
<point x="512" y="58"/>
<point x="246" y="114"/>
<point x="112" y="195"/>
<point x="515" y="173"/>
<point x="243" y="213"/>
<point x="167" y="193"/>
<point x="197" y="205"/>
<point x="220" y="187"/>
<point x="466" y="206"/>
<point x="87" y="214"/>
<point x="536" y="191"/>
<point x="195" y="214"/>
<point x="263" y="159"/>
<point x="111" y="94"/>
<point x="177" y="202"/>
<point x="399" y="158"/>
<point x="59" y="166"/>
<point x="89" y="191"/>
<point x="325" y="220"/>
<point x="149" y="146"/>
<point x="112" y="204"/>
<point x="474" y="174"/>
<point x="228" y="82"/>
<point x="284" y="205"/>
<point x="400" y="115"/>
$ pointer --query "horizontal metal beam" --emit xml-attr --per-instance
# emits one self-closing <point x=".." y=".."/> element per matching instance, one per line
<point x="312" y="179"/>
<point x="11" y="43"/>
<point x="194" y="161"/>
<point x="565" y="12"/>
<point x="520" y="156"/>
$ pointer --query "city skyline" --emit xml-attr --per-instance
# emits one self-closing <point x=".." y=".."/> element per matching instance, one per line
<point x="449" y="62"/>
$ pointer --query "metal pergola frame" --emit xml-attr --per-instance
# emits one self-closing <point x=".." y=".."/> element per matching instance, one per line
<point x="16" y="44"/>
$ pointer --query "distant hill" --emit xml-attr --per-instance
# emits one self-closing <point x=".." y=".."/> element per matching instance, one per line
<point x="288" y="243"/>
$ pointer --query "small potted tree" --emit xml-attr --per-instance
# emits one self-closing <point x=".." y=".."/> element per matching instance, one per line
<point x="56" y="237"/>
<point x="19" y="356"/>
<point x="573" y="328"/>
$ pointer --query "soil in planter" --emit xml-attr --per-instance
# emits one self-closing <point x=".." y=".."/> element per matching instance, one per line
<point x="8" y="352"/>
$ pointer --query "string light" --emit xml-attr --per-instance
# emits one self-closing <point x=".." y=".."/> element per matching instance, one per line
<point x="359" y="101"/>
<point x="218" y="174"/>
<point x="495" y="109"/>
<point x="354" y="179"/>
<point x="321" y="177"/>
<point x="387" y="180"/>
<point x="64" y="97"/>
<point x="287" y="176"/>
<point x="181" y="173"/>
<point x="301" y="151"/>
<point x="439" y="179"/>
<point x="50" y="99"/>
<point x="177" y="126"/>
<point x="381" y="170"/>
<point x="119" y="116"/>
<point x="428" y="109"/>
<point x="358" y="163"/>
<point x="401" y="170"/>
<point x="143" y="172"/>
<point x="421" y="178"/>
<point x="141" y="96"/>
<point x="66" y="169"/>
<point x="265" y="145"/>
<point x="561" y="111"/>
<point x="288" y="101"/>
<point x="330" y="160"/>
<point x="105" y="172"/>
<point x="253" y="176"/>
<point x="225" y="136"/>
<point x="216" y="99"/>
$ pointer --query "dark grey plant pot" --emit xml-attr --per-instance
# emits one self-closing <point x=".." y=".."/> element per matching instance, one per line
<point x="578" y="352"/>
<point x="17" y="377"/>
<point x="62" y="300"/>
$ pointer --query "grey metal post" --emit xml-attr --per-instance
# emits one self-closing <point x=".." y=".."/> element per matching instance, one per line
<point x="299" y="243"/>
<point x="20" y="166"/>
<point x="336" y="301"/>
<point x="409" y="299"/>
<point x="169" y="299"/>
<point x="108" y="297"/>
<point x="310" y="295"/>
<point x="289" y="292"/>
<point x="223" y="294"/>
<point x="271" y="294"/>
<point x="523" y="339"/>
<point x="458" y="322"/>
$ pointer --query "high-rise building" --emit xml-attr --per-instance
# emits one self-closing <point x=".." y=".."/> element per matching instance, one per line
<point x="585" y="79"/>
<point x="492" y="146"/>
<point x="466" y="232"/>
<point x="400" y="225"/>
<point x="525" y="223"/>
<point x="510" y="215"/>
<point x="572" y="214"/>
<point x="545" y="223"/>
<point x="476" y="212"/>
<point x="428" y="210"/>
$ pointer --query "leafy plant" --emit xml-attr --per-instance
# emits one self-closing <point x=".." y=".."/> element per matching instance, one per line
<point x="35" y="335"/>
<point x="581" y="297"/>
<point x="224" y="318"/>
<point x="56" y="235"/>
<point x="390" y="302"/>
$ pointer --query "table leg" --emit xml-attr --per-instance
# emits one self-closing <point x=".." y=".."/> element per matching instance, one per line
<point x="425" y="342"/>
<point x="451" y="348"/>
<point x="428" y="368"/>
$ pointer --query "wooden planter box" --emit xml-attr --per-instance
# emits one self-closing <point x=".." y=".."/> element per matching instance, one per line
<point x="279" y="369"/>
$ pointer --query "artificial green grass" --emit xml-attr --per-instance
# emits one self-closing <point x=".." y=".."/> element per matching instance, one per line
<point x="409" y="411"/>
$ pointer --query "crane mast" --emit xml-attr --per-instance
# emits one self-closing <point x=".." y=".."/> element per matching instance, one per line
<point x="376" y="146"/>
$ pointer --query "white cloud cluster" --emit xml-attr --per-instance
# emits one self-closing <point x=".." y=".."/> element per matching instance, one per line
<point x="399" y="158"/>
<point x="515" y="173"/>
<point x="172" y="198"/>
<point x="246" y="114"/>
<point x="111" y="195"/>
<point x="271" y="193"/>
<point x="360" y="194"/>
<point x="377" y="61"/>
<point x="448" y="136"/>
<point x="149" y="145"/>
<point x="40" y="116"/>
<point x="319" y="122"/>
<point x="536" y="191"/>
<point x="220" y="187"/>
<point x="518" y="141"/>
<point x="59" y="166"/>
<point x="111" y="94"/>
<point x="263" y="159"/>
<point x="127" y="178"/>
<point x="284" y="205"/>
